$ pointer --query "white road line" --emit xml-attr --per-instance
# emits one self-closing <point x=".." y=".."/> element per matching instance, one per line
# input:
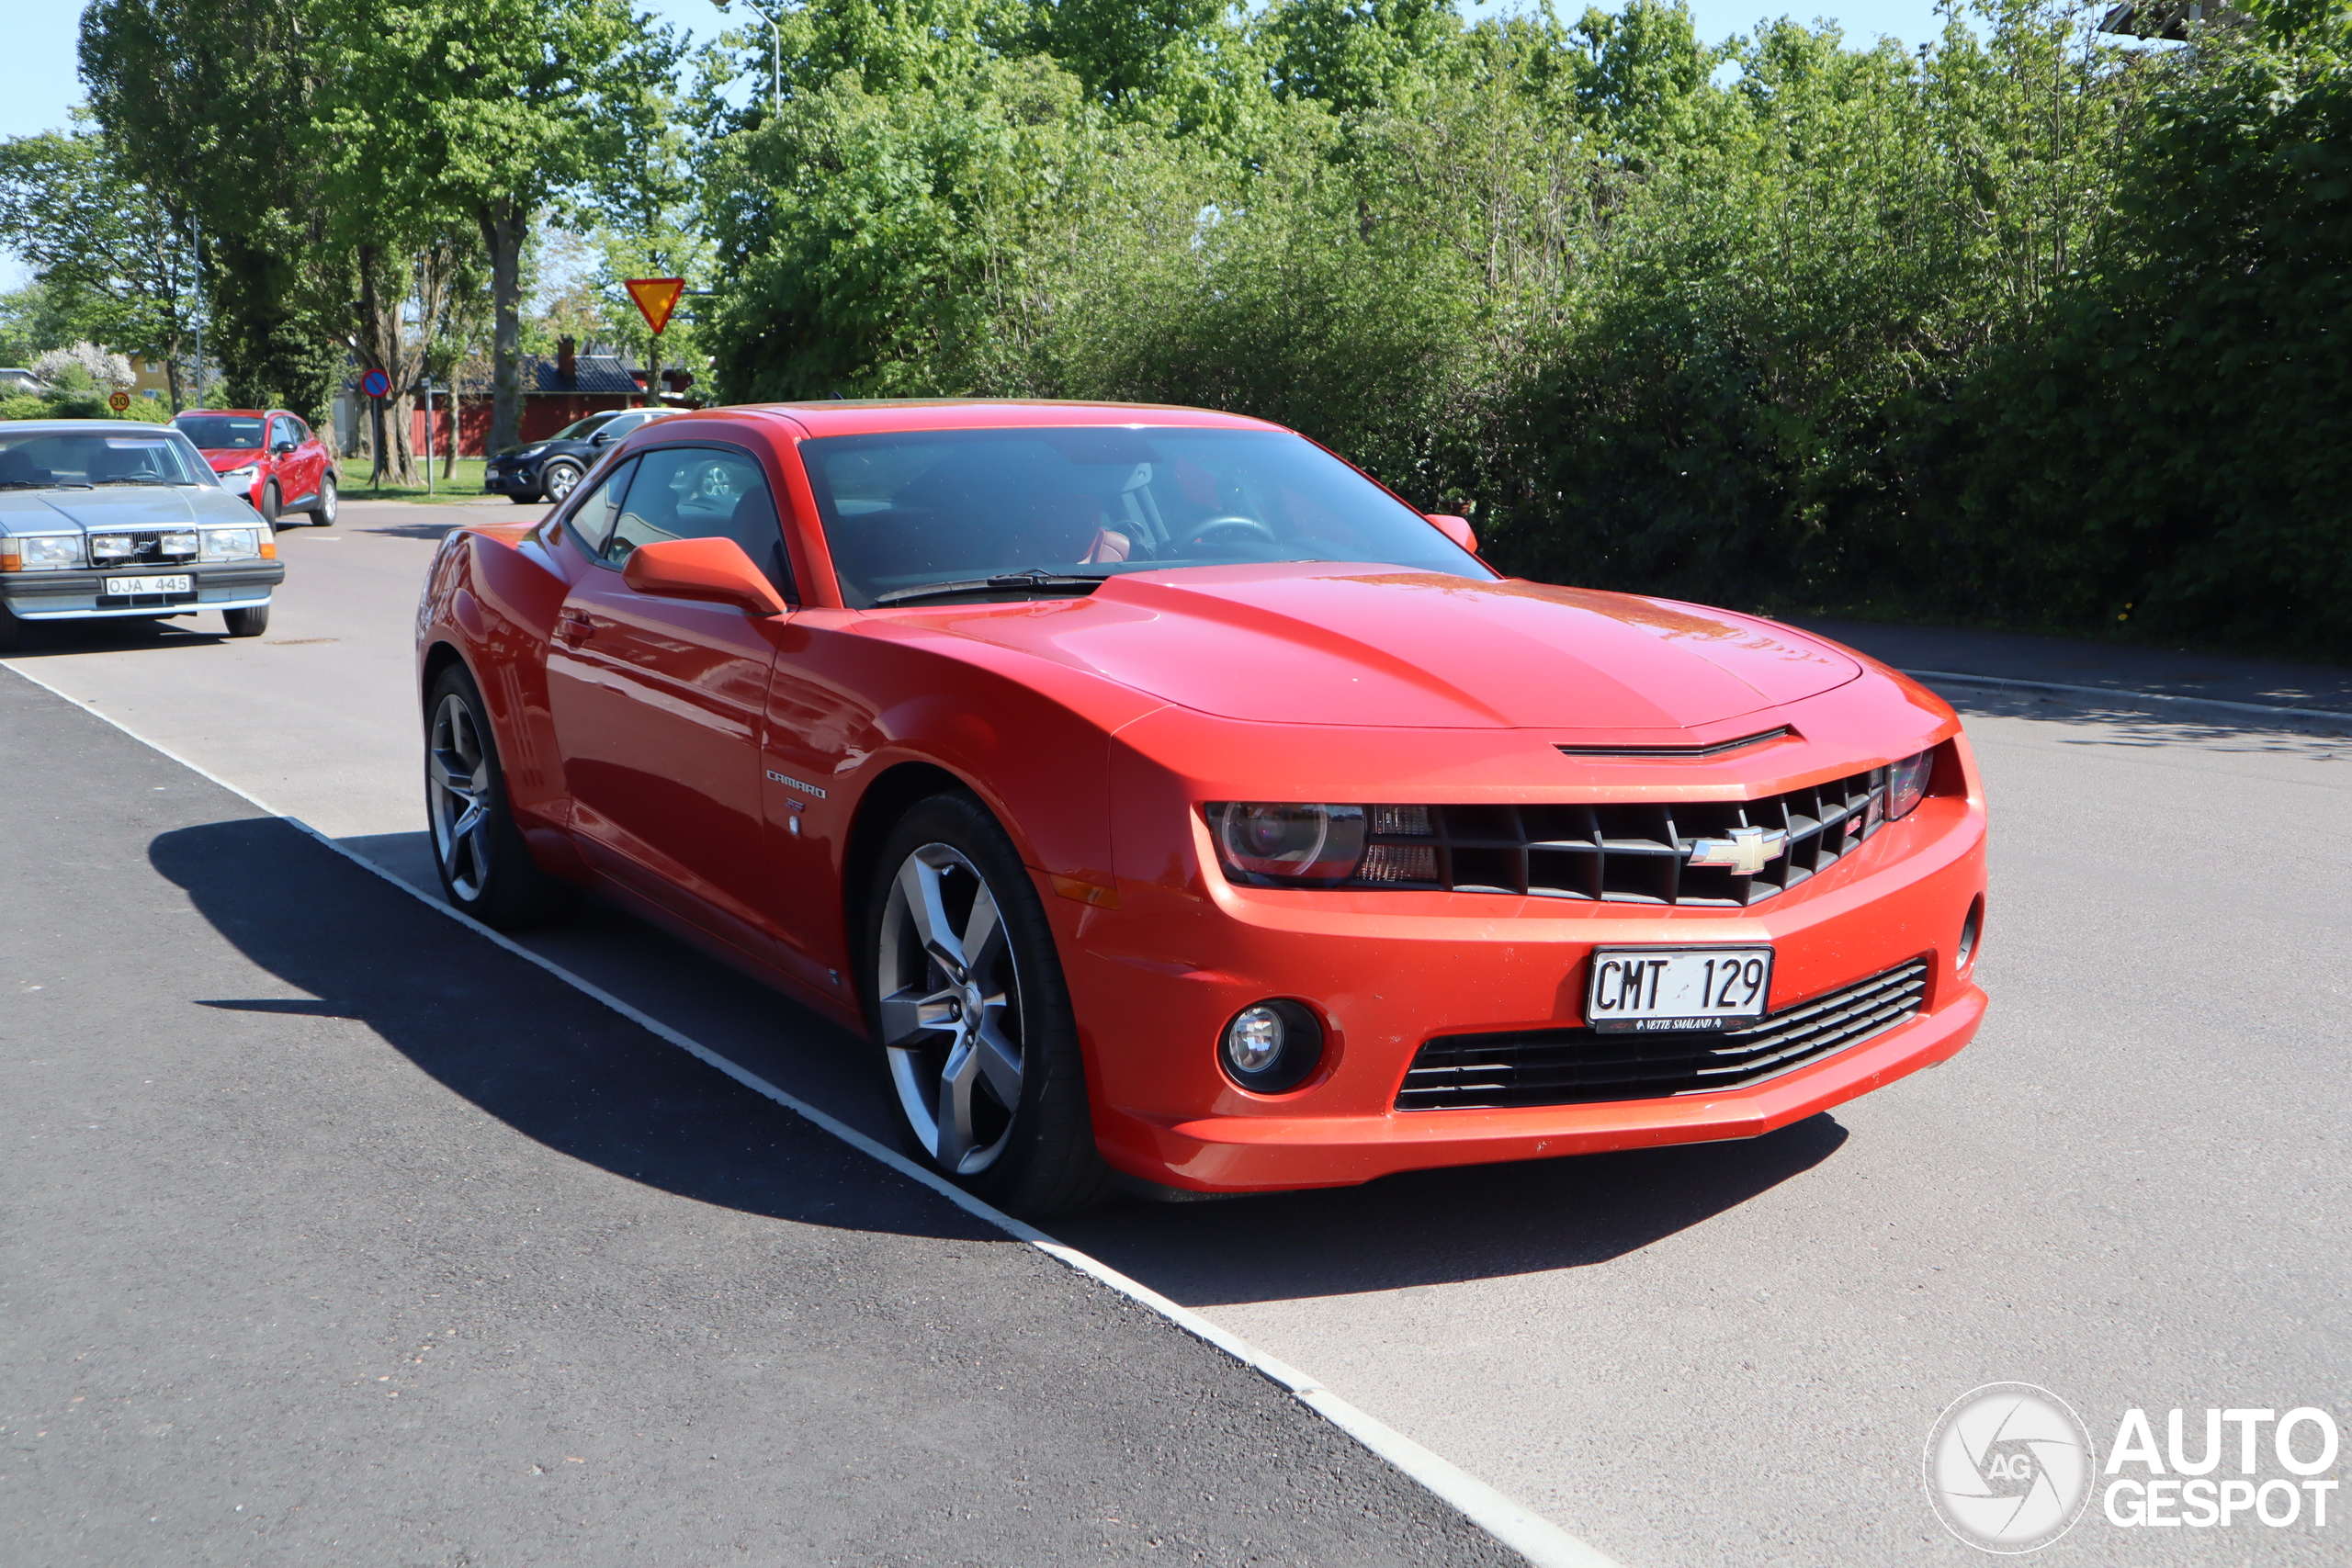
<point x="1541" y="1542"/>
<point x="2339" y="714"/>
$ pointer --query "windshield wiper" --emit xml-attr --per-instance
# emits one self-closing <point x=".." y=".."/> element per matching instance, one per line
<point x="1037" y="581"/>
<point x="149" y="480"/>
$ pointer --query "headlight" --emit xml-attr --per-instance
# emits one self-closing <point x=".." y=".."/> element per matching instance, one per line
<point x="181" y="544"/>
<point x="231" y="543"/>
<point x="247" y="473"/>
<point x="1907" y="783"/>
<point x="1288" y="845"/>
<point x="104" y="547"/>
<point x="40" y="552"/>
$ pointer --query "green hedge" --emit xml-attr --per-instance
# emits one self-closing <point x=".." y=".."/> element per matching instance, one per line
<point x="2018" y="329"/>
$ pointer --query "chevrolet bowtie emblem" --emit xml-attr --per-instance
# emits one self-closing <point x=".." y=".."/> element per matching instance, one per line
<point x="1744" y="853"/>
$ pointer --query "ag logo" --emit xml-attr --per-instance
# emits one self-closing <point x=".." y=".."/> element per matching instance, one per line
<point x="2008" y="1467"/>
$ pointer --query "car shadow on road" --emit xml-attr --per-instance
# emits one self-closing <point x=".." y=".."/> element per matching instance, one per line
<point x="51" y="639"/>
<point x="1443" y="1226"/>
<point x="531" y="1051"/>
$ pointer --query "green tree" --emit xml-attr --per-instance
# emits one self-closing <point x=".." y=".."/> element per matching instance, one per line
<point x="208" y="102"/>
<point x="107" y="253"/>
<point x="497" y="109"/>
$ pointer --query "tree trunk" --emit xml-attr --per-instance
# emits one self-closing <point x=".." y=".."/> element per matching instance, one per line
<point x="502" y="230"/>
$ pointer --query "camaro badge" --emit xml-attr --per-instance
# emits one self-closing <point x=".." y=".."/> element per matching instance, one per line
<point x="1745" y="852"/>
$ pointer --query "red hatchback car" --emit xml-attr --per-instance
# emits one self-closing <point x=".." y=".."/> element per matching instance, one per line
<point x="270" y="457"/>
<point x="1167" y="800"/>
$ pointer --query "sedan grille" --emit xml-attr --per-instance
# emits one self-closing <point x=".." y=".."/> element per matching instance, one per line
<point x="1579" y="1067"/>
<point x="1624" y="854"/>
<point x="142" y="547"/>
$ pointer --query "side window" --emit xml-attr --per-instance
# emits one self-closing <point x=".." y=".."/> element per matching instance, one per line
<point x="281" y="429"/>
<point x="592" y="520"/>
<point x="703" y="492"/>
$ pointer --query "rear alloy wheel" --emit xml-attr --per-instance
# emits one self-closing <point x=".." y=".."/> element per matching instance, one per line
<point x="556" y="482"/>
<point x="269" y="500"/>
<point x="969" y="1007"/>
<point x="486" y="868"/>
<point x="323" y="510"/>
<point x="246" y="623"/>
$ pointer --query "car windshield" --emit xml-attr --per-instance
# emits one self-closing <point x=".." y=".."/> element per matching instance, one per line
<point x="221" y="432"/>
<point x="45" y="459"/>
<point x="934" y="513"/>
<point x="581" y="429"/>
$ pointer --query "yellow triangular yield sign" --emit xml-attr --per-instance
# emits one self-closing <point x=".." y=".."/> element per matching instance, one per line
<point x="656" y="297"/>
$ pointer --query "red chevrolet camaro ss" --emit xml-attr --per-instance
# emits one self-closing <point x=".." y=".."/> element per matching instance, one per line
<point x="1167" y="800"/>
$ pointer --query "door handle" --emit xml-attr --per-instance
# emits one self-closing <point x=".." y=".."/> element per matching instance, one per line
<point x="573" y="629"/>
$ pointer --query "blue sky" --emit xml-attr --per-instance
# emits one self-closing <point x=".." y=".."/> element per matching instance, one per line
<point x="37" y="87"/>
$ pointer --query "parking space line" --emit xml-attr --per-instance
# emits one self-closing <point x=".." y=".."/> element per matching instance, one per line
<point x="1539" y="1541"/>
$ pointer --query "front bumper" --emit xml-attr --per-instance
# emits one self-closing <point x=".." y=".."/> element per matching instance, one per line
<point x="1388" y="971"/>
<point x="503" y="478"/>
<point x="75" y="595"/>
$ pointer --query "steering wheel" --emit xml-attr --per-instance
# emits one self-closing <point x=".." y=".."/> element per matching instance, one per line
<point x="1203" y="532"/>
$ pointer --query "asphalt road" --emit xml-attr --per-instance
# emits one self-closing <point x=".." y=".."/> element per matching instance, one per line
<point x="336" y="1235"/>
<point x="2132" y="1189"/>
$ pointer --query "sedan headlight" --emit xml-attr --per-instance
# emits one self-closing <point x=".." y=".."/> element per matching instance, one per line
<point x="231" y="543"/>
<point x="1907" y="783"/>
<point x="104" y="547"/>
<point x="245" y="474"/>
<point x="40" y="552"/>
<point x="1280" y="845"/>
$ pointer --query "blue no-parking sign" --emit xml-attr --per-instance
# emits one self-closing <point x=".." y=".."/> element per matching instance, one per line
<point x="375" y="384"/>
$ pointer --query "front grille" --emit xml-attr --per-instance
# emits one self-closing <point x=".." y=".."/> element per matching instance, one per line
<point x="1578" y="1067"/>
<point x="1636" y="853"/>
<point x="146" y="548"/>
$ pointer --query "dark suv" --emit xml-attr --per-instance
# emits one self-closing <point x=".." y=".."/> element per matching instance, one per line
<point x="546" y="470"/>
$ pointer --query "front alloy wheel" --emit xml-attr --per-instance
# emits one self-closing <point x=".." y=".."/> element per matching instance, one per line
<point x="965" y="996"/>
<point x="557" y="481"/>
<point x="951" y="1010"/>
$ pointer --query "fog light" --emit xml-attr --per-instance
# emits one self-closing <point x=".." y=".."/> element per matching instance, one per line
<point x="1970" y="930"/>
<point x="1272" y="1046"/>
<point x="111" y="547"/>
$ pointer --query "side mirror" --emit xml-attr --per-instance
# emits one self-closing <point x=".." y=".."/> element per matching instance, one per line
<point x="1455" y="528"/>
<point x="715" y="571"/>
<point x="282" y="450"/>
<point x="600" y="439"/>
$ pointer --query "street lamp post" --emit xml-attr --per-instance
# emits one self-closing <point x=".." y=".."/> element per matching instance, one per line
<point x="776" y="23"/>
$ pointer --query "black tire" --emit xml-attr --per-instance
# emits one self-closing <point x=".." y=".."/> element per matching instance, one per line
<point x="524" y="500"/>
<point x="486" y="868"/>
<point x="323" y="510"/>
<point x="1033" y="1158"/>
<point x="246" y="623"/>
<point x="556" y="480"/>
<point x="14" y="634"/>
<point x="269" y="500"/>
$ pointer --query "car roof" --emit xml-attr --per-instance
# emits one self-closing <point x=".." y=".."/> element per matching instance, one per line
<point x="105" y="426"/>
<point x="843" y="417"/>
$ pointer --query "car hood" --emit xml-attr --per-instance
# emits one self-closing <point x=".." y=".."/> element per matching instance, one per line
<point x="119" y="506"/>
<point x="1302" y="643"/>
<point x="222" y="457"/>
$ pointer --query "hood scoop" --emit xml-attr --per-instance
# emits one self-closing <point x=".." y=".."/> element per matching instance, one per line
<point x="1720" y="747"/>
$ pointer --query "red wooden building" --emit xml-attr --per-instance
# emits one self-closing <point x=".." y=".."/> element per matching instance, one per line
<point x="558" y="389"/>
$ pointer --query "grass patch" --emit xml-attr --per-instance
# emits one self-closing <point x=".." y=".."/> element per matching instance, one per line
<point x="464" y="483"/>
